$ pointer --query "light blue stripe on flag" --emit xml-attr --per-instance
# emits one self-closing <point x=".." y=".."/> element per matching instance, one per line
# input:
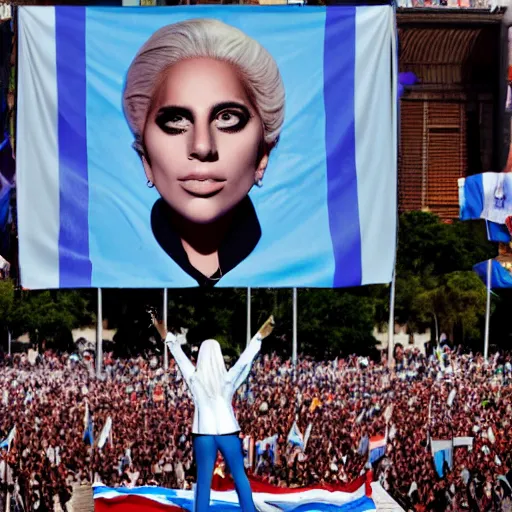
<point x="377" y="453"/>
<point x="441" y="458"/>
<point x="296" y="246"/>
<point x="500" y="276"/>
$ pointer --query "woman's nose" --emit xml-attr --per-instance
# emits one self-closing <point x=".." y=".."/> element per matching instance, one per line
<point x="203" y="145"/>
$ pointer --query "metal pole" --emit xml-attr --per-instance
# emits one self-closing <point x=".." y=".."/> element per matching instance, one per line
<point x="165" y="306"/>
<point x="249" y="315"/>
<point x="487" y="311"/>
<point x="391" y="324"/>
<point x="294" y="346"/>
<point x="99" y="336"/>
<point x="9" y="341"/>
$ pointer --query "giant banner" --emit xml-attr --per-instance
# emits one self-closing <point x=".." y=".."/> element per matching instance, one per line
<point x="186" y="146"/>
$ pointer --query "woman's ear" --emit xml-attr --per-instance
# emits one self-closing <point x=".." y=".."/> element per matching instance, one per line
<point x="262" y="166"/>
<point x="147" y="168"/>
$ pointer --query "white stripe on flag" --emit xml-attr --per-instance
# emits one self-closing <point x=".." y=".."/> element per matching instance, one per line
<point x="37" y="163"/>
<point x="376" y="142"/>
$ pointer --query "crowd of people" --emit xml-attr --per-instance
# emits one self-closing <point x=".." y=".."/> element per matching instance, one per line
<point x="346" y="402"/>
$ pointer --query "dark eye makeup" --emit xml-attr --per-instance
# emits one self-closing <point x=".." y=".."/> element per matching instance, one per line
<point x="228" y="117"/>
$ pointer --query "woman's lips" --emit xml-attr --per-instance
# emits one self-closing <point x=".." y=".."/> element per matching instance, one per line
<point x="202" y="187"/>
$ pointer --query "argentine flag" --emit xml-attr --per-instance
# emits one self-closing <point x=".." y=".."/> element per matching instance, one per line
<point x="327" y="210"/>
<point x="501" y="277"/>
<point x="6" y="443"/>
<point x="488" y="196"/>
<point x="442" y="451"/>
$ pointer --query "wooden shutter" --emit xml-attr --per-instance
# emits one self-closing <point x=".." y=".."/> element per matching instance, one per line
<point x="446" y="157"/>
<point x="410" y="155"/>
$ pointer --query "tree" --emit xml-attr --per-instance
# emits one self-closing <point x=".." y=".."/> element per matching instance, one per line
<point x="458" y="301"/>
<point x="435" y="283"/>
<point x="50" y="316"/>
<point x="335" y="323"/>
<point x="6" y="302"/>
<point x="6" y="307"/>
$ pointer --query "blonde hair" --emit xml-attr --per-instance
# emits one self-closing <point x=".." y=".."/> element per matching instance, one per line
<point x="204" y="38"/>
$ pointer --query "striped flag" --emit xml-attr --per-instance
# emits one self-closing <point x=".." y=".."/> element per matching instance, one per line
<point x="248" y="450"/>
<point x="88" y="427"/>
<point x="377" y="448"/>
<point x="501" y="277"/>
<point x="295" y="437"/>
<point x="328" y="204"/>
<point x="266" y="497"/>
<point x="269" y="445"/>
<point x="6" y="443"/>
<point x="442" y="451"/>
<point x="488" y="196"/>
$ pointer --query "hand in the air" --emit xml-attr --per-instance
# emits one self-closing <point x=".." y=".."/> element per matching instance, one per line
<point x="267" y="328"/>
<point x="170" y="338"/>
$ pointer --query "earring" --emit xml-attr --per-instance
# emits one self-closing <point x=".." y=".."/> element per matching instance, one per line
<point x="150" y="184"/>
<point x="259" y="183"/>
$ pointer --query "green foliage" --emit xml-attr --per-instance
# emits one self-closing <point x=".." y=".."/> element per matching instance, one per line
<point x="428" y="247"/>
<point x="335" y="323"/>
<point x="6" y="301"/>
<point x="49" y="315"/>
<point x="458" y="300"/>
<point x="434" y="276"/>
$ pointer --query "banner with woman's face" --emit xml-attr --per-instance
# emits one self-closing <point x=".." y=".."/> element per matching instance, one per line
<point x="185" y="146"/>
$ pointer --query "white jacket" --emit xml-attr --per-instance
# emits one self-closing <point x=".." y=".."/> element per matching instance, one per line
<point x="215" y="416"/>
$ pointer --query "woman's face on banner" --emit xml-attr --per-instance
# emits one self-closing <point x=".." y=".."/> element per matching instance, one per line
<point x="203" y="140"/>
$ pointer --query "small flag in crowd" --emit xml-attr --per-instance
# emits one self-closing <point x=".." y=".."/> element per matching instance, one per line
<point x="295" y="437"/>
<point x="88" y="427"/>
<point x="364" y="445"/>
<point x="462" y="441"/>
<point x="388" y="412"/>
<point x="248" y="450"/>
<point x="268" y="444"/>
<point x="442" y="451"/>
<point x="6" y="443"/>
<point x="451" y="397"/>
<point x="105" y="433"/>
<point x="377" y="447"/>
<point x="307" y="435"/>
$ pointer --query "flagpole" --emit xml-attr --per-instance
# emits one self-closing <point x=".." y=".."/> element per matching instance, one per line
<point x="391" y="324"/>
<point x="99" y="336"/>
<point x="165" y="308"/>
<point x="487" y="310"/>
<point x="249" y="297"/>
<point x="294" y="346"/>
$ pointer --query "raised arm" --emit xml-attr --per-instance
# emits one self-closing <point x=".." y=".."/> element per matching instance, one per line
<point x="186" y="367"/>
<point x="240" y="370"/>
